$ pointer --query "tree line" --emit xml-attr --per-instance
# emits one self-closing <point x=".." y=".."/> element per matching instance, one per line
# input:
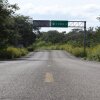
<point x="75" y="37"/>
<point x="15" y="30"/>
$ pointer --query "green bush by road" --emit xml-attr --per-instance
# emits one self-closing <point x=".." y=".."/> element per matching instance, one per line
<point x="12" y="52"/>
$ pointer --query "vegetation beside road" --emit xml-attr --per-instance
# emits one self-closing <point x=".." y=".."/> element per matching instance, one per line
<point x="71" y="42"/>
<point x="16" y="31"/>
<point x="12" y="52"/>
<point x="17" y="37"/>
<point x="92" y="53"/>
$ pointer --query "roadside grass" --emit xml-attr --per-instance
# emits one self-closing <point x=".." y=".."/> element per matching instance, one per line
<point x="12" y="52"/>
<point x="94" y="53"/>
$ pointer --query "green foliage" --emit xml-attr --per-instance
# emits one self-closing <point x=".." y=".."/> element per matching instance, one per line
<point x="23" y="51"/>
<point x="24" y="29"/>
<point x="6" y="12"/>
<point x="94" y="53"/>
<point x="76" y="51"/>
<point x="14" y="29"/>
<point x="12" y="52"/>
<point x="41" y="43"/>
<point x="31" y="47"/>
<point x="53" y="37"/>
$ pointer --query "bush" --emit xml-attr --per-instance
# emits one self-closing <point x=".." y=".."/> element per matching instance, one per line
<point x="94" y="53"/>
<point x="31" y="48"/>
<point x="12" y="52"/>
<point x="41" y="43"/>
<point x="23" y="51"/>
<point x="78" y="52"/>
<point x="2" y="53"/>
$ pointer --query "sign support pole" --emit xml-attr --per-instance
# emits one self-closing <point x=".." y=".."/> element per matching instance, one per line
<point x="80" y="24"/>
<point x="84" y="37"/>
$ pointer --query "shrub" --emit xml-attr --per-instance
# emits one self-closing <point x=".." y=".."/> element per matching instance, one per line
<point x="94" y="53"/>
<point x="23" y="51"/>
<point x="12" y="52"/>
<point x="78" y="52"/>
<point x="3" y="53"/>
<point x="41" y="43"/>
<point x="31" y="48"/>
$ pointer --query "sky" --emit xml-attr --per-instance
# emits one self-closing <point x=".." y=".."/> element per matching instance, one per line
<point x="86" y="10"/>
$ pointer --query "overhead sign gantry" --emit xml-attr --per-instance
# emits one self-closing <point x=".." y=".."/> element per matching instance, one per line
<point x="62" y="24"/>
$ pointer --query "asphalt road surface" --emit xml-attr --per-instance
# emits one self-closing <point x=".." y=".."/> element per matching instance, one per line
<point x="49" y="75"/>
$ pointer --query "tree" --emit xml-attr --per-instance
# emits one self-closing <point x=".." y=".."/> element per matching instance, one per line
<point x="23" y="29"/>
<point x="53" y="37"/>
<point x="6" y="12"/>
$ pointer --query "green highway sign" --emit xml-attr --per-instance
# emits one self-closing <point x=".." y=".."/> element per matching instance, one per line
<point x="56" y="23"/>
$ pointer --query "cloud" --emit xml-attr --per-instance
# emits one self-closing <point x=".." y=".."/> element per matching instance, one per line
<point x="61" y="9"/>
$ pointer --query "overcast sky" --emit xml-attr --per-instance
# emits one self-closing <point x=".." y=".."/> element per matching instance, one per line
<point x="87" y="10"/>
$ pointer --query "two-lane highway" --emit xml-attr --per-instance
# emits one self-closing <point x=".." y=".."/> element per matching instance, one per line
<point x="49" y="75"/>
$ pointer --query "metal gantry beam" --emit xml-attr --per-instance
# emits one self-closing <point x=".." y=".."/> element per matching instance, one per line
<point x="76" y="24"/>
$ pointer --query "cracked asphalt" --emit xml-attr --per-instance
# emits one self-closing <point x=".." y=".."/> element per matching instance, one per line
<point x="49" y="75"/>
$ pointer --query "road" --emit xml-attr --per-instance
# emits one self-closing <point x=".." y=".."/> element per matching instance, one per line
<point x="49" y="75"/>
